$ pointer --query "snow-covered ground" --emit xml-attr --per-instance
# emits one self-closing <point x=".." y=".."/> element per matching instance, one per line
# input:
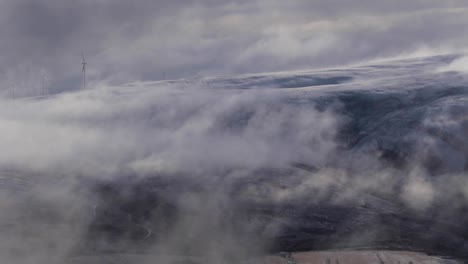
<point x="365" y="155"/>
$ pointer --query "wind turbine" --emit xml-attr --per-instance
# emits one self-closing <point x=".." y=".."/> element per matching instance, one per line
<point x="83" y="71"/>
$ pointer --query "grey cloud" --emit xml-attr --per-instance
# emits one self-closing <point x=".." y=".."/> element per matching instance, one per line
<point x="119" y="133"/>
<point x="126" y="40"/>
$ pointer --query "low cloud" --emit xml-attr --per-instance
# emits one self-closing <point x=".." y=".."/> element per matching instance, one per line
<point x="458" y="65"/>
<point x="261" y="145"/>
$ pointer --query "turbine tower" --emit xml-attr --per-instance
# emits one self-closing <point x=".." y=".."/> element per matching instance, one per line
<point x="83" y="72"/>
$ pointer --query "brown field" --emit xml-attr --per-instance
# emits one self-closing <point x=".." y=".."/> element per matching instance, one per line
<point x="319" y="257"/>
<point x="365" y="257"/>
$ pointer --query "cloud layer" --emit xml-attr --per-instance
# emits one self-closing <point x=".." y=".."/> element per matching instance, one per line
<point x="346" y="143"/>
<point x="172" y="39"/>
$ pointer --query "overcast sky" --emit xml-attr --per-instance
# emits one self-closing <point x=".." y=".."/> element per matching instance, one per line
<point x="148" y="39"/>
